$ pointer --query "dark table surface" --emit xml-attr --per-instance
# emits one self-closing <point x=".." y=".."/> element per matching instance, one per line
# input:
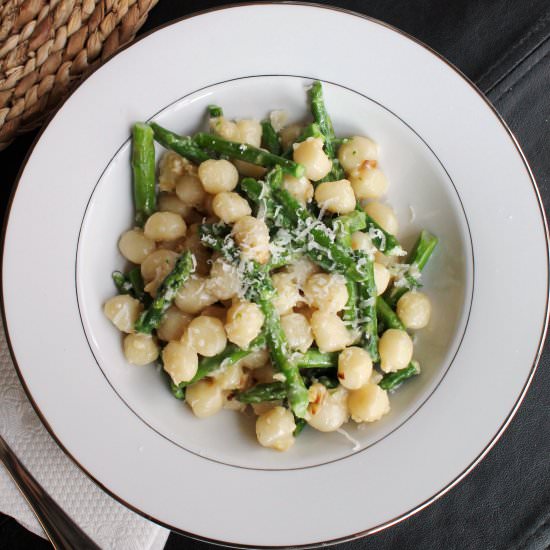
<point x="504" y="47"/>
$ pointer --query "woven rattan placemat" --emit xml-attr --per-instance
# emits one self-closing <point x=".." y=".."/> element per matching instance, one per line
<point x="46" y="48"/>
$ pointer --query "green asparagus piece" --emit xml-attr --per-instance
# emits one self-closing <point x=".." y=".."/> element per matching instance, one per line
<point x="136" y="280"/>
<point x="312" y="359"/>
<point x="152" y="316"/>
<point x="329" y="379"/>
<point x="347" y="224"/>
<point x="178" y="391"/>
<point x="274" y="391"/>
<point x="387" y="315"/>
<point x="259" y="193"/>
<point x="310" y="131"/>
<point x="394" y="379"/>
<point x="131" y="283"/>
<point x="143" y="170"/>
<point x="248" y="153"/>
<point x="349" y="315"/>
<point x="321" y="116"/>
<point x="183" y="145"/>
<point x="420" y="254"/>
<point x="278" y="345"/>
<point x="384" y="241"/>
<point x="229" y="356"/>
<point x="315" y="359"/>
<point x="215" y="111"/>
<point x="270" y="139"/>
<point x="423" y="249"/>
<point x="344" y="227"/>
<point x="366" y="304"/>
<point x="277" y="391"/>
<point x="300" y="425"/>
<point x="123" y="285"/>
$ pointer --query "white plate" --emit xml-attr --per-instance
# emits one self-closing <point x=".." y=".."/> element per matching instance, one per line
<point x="447" y="155"/>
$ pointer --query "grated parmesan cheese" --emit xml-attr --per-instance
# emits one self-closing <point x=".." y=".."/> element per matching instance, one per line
<point x="356" y="444"/>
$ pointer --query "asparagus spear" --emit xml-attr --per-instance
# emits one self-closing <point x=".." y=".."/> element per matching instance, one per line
<point x="131" y="283"/>
<point x="136" y="280"/>
<point x="347" y="224"/>
<point x="143" y="169"/>
<point x="229" y="356"/>
<point x="276" y="391"/>
<point x="387" y="315"/>
<point x="359" y="312"/>
<point x="270" y="139"/>
<point x="328" y="379"/>
<point x="384" y="241"/>
<point x="183" y="145"/>
<point x="343" y="227"/>
<point x="322" y="118"/>
<point x="423" y="249"/>
<point x="367" y="324"/>
<point x="394" y="379"/>
<point x="315" y="359"/>
<point x="294" y="383"/>
<point x="152" y="316"/>
<point x="215" y="111"/>
<point x="259" y="193"/>
<point x="248" y="153"/>
<point x="273" y="391"/>
<point x="300" y="425"/>
<point x="177" y="390"/>
<point x="123" y="285"/>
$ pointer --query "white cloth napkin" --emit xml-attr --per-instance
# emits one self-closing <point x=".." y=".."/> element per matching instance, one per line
<point x="107" y="522"/>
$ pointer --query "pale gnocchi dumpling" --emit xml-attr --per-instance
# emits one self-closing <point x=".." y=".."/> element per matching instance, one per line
<point x="205" y="397"/>
<point x="218" y="176"/>
<point x="414" y="309"/>
<point x="275" y="429"/>
<point x="328" y="410"/>
<point x="252" y="236"/>
<point x="135" y="246"/>
<point x="123" y="311"/>
<point x="330" y="331"/>
<point x="336" y="196"/>
<point x="244" y="322"/>
<point x="310" y="154"/>
<point x="326" y="292"/>
<point x="368" y="403"/>
<point x="180" y="360"/>
<point x="140" y="349"/>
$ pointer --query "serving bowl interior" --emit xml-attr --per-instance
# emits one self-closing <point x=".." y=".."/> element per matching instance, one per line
<point x="423" y="196"/>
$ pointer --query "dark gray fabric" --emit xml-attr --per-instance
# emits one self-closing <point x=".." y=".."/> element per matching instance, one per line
<point x="504" y="46"/>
